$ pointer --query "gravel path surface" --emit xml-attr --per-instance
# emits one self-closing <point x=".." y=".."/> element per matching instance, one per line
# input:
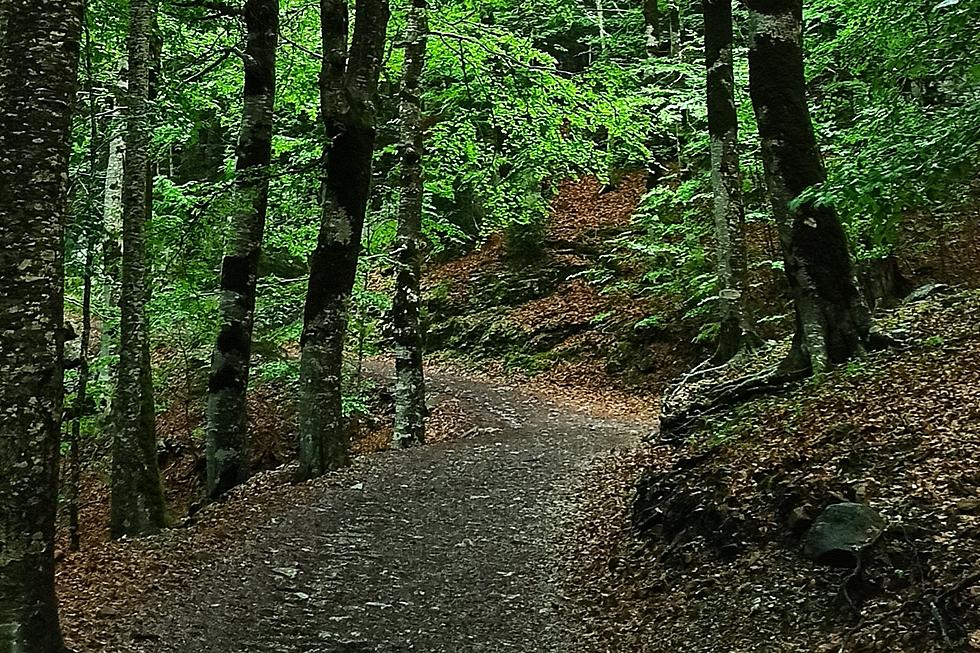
<point x="447" y="548"/>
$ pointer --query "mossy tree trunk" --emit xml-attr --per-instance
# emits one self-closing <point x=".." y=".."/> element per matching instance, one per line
<point x="410" y="409"/>
<point x="228" y="381"/>
<point x="348" y="84"/>
<point x="137" y="495"/>
<point x="832" y="319"/>
<point x="39" y="52"/>
<point x="726" y="181"/>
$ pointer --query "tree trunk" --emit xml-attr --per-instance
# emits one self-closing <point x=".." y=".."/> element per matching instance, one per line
<point x="39" y="51"/>
<point x="674" y="16"/>
<point x="348" y="113"/>
<point x="832" y="320"/>
<point x="600" y="19"/>
<point x="137" y="496"/>
<point x="228" y="382"/>
<point x="726" y="181"/>
<point x="651" y="27"/>
<point x="406" y="305"/>
<point x="81" y="407"/>
<point x="112" y="208"/>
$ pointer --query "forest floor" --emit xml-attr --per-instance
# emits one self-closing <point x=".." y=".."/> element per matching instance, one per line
<point x="698" y="546"/>
<point x="525" y="525"/>
<point x="455" y="546"/>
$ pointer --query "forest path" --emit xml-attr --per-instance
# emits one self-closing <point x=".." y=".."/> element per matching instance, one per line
<point x="450" y="547"/>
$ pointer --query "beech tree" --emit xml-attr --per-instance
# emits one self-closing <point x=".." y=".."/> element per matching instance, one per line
<point x="726" y="181"/>
<point x="39" y="51"/>
<point x="348" y="84"/>
<point x="832" y="320"/>
<point x="137" y="496"/>
<point x="406" y="306"/>
<point x="112" y="222"/>
<point x="228" y="381"/>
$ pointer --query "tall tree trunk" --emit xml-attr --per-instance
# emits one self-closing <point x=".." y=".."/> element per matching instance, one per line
<point x="674" y="19"/>
<point x="137" y="495"/>
<point x="410" y="379"/>
<point x="726" y="181"/>
<point x="832" y="318"/>
<point x="348" y="113"/>
<point x="81" y="407"/>
<point x="39" y="51"/>
<point x="81" y="393"/>
<point x="112" y="209"/>
<point x="228" y="382"/>
<point x="654" y="48"/>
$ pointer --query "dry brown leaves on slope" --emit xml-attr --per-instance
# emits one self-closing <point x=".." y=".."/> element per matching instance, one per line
<point x="100" y="587"/>
<point x="899" y="431"/>
<point x="583" y="208"/>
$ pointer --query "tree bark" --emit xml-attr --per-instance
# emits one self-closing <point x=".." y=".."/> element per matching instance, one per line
<point x="832" y="320"/>
<point x="410" y="409"/>
<point x="726" y="182"/>
<point x="348" y="113"/>
<point x="228" y="383"/>
<point x="137" y="495"/>
<point x="39" y="52"/>
<point x="112" y="209"/>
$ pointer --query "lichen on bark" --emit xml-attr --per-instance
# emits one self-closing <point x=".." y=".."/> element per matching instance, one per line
<point x="227" y="419"/>
<point x="137" y="496"/>
<point x="38" y="65"/>
<point x="348" y="84"/>
<point x="832" y="319"/>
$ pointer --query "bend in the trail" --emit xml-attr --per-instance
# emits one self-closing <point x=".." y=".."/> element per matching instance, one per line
<point x="449" y="547"/>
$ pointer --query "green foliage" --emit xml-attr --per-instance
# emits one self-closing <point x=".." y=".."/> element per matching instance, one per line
<point x="279" y="371"/>
<point x="507" y="121"/>
<point x="896" y="96"/>
<point x="675" y="242"/>
<point x="517" y="96"/>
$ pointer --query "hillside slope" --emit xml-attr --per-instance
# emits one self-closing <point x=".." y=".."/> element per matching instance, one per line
<point x="539" y="312"/>
<point x="699" y="547"/>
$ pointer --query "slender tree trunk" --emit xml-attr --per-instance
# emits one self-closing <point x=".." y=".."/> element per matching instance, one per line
<point x="228" y="383"/>
<point x="137" y="495"/>
<point x="600" y="18"/>
<point x="39" y="51"/>
<point x="81" y="394"/>
<point x="832" y="318"/>
<point x="654" y="49"/>
<point x="347" y="110"/>
<point x="726" y="181"/>
<point x="406" y="306"/>
<point x="81" y="407"/>
<point x="674" y="15"/>
<point x="651" y="26"/>
<point x="112" y="209"/>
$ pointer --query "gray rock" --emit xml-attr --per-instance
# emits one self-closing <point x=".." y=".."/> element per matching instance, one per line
<point x="925" y="292"/>
<point x="841" y="533"/>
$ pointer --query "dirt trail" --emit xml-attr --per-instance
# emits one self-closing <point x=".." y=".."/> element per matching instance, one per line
<point x="451" y="547"/>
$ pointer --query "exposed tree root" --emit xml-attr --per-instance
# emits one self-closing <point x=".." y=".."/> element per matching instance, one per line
<point x="674" y="426"/>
